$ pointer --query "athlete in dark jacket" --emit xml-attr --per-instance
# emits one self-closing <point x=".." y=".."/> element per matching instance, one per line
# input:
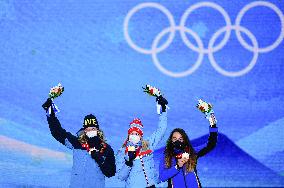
<point x="93" y="158"/>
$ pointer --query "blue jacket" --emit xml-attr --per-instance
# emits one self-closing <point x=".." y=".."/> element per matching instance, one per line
<point x="86" y="171"/>
<point x="179" y="178"/>
<point x="134" y="176"/>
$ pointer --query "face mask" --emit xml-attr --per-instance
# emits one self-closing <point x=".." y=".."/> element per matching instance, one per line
<point x="178" y="145"/>
<point x="134" y="139"/>
<point x="91" y="134"/>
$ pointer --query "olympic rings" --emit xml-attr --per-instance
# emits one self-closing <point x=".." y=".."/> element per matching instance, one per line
<point x="211" y="5"/>
<point x="255" y="51"/>
<point x="155" y="51"/>
<point x="142" y="6"/>
<point x="276" y="10"/>
<point x="200" y="47"/>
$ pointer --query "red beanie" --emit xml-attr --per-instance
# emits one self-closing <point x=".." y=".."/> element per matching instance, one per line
<point x="136" y="125"/>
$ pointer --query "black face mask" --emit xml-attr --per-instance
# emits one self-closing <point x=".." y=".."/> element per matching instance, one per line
<point x="178" y="145"/>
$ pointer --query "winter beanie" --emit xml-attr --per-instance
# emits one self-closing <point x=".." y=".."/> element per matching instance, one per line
<point x="136" y="125"/>
<point x="90" y="121"/>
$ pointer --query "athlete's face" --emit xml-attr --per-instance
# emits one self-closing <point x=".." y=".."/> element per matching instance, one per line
<point x="88" y="129"/>
<point x="177" y="136"/>
<point x="134" y="133"/>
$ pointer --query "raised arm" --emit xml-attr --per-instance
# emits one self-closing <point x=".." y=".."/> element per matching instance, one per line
<point x="211" y="143"/>
<point x="206" y="108"/>
<point x="158" y="135"/>
<point x="212" y="139"/>
<point x="60" y="134"/>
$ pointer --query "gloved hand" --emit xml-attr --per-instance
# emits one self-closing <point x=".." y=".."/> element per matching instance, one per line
<point x="163" y="102"/>
<point x="94" y="142"/>
<point x="131" y="157"/>
<point x="47" y="104"/>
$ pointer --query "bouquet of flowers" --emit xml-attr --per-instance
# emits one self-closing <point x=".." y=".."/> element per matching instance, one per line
<point x="56" y="91"/>
<point x="152" y="91"/>
<point x="206" y="108"/>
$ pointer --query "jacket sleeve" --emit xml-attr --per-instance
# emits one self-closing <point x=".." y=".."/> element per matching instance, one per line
<point x="158" y="135"/>
<point x="61" y="135"/>
<point x="211" y="143"/>
<point x="167" y="173"/>
<point x="106" y="162"/>
<point x="123" y="170"/>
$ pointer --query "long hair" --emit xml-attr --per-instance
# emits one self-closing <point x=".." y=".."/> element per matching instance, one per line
<point x="82" y="137"/>
<point x="169" y="151"/>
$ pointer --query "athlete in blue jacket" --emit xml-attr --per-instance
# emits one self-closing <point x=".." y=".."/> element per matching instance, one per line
<point x="134" y="160"/>
<point x="178" y="163"/>
<point x="93" y="158"/>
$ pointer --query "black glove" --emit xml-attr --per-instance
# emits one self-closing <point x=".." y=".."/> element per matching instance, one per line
<point x="47" y="104"/>
<point x="131" y="156"/>
<point x="95" y="142"/>
<point x="163" y="102"/>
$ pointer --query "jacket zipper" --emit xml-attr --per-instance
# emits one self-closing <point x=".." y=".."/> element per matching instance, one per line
<point x="197" y="179"/>
<point x="184" y="177"/>
<point x="142" y="164"/>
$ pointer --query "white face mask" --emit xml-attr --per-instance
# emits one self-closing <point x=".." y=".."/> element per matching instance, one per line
<point x="91" y="134"/>
<point x="134" y="139"/>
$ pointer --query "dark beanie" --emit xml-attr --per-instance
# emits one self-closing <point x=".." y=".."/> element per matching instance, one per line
<point x="90" y="121"/>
